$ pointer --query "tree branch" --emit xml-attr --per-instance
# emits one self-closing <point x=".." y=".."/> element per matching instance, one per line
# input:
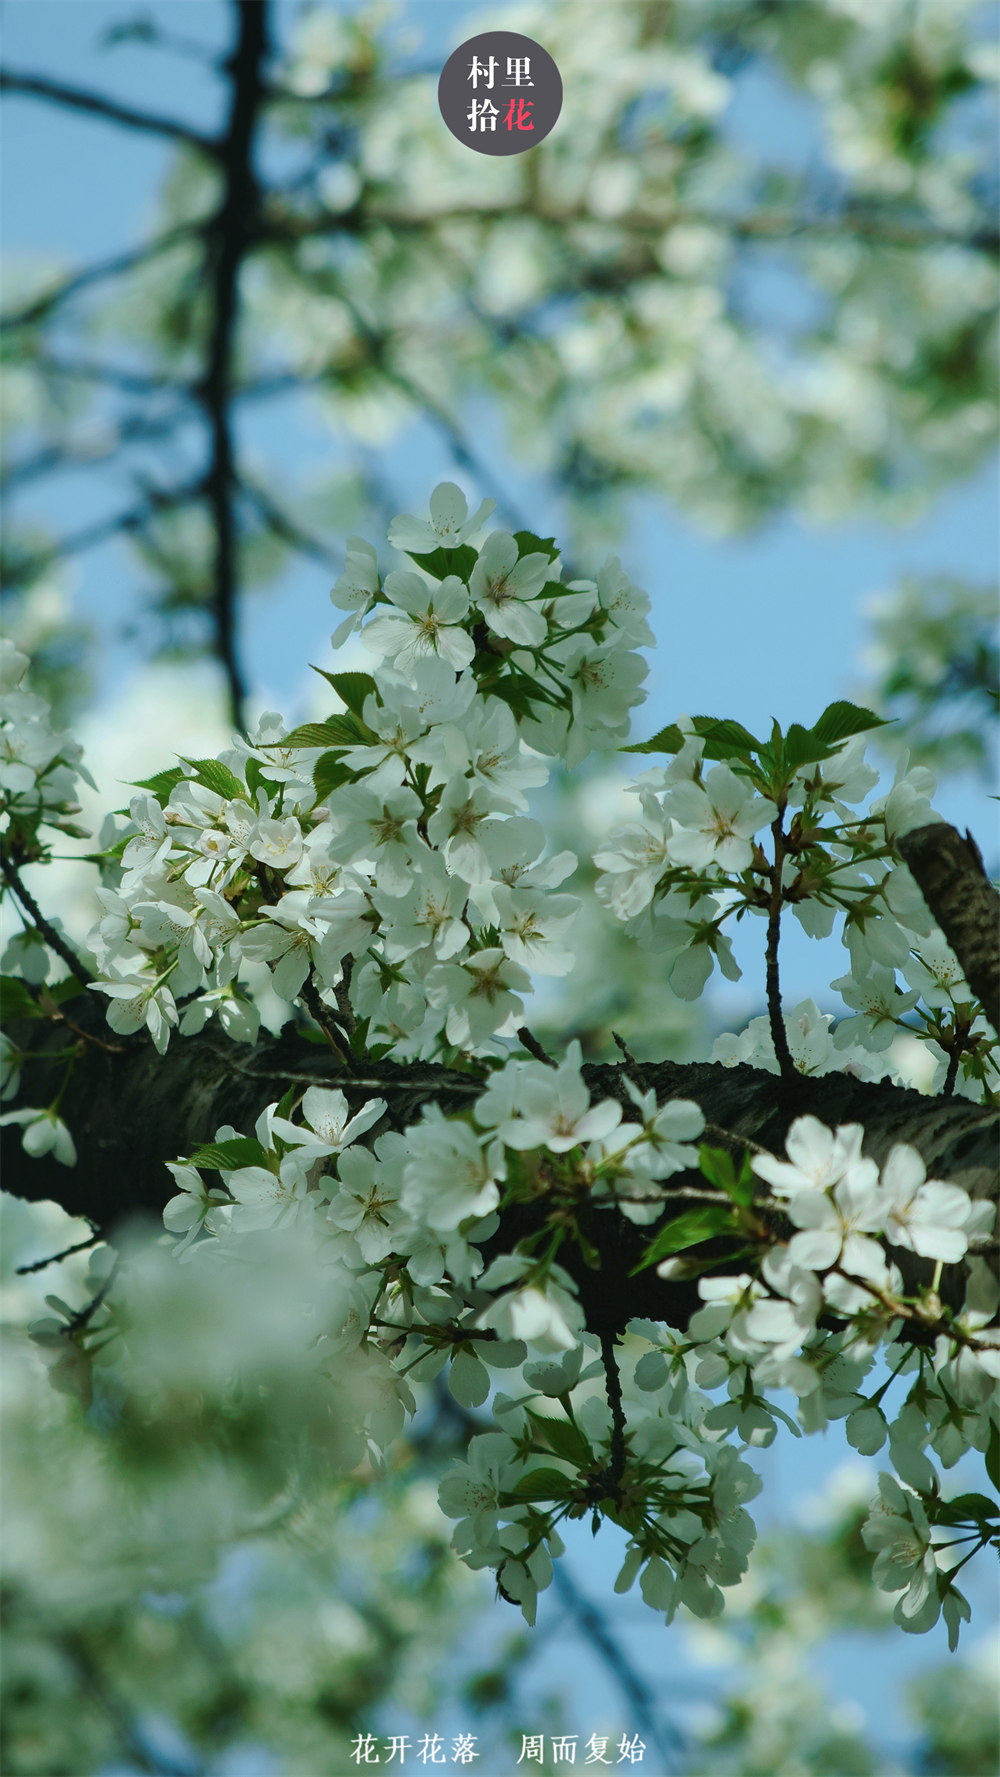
<point x="131" y="1113"/>
<point x="77" y="969"/>
<point x="76" y="98"/>
<point x="228" y="240"/>
<point x="41" y="306"/>
<point x="949" y="873"/>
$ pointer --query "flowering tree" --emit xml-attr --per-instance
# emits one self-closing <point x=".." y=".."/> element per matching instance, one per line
<point x="656" y="298"/>
<point x="445" y="1192"/>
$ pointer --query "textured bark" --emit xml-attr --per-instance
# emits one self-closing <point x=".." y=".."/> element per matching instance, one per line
<point x="133" y="1111"/>
<point x="949" y="871"/>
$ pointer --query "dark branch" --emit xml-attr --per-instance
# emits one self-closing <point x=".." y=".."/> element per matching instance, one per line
<point x="41" y="306"/>
<point x="75" y="98"/>
<point x="949" y="872"/>
<point x="77" y="969"/>
<point x="228" y="240"/>
<point x="593" y="1625"/>
<point x="57" y="1258"/>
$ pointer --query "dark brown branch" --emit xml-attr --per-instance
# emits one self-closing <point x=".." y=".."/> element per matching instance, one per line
<point x="228" y="240"/>
<point x="75" y="98"/>
<point x="131" y="1113"/>
<point x="779" y="1035"/>
<point x="614" y="1388"/>
<point x="529" y="1041"/>
<point x="77" y="969"/>
<point x="949" y="873"/>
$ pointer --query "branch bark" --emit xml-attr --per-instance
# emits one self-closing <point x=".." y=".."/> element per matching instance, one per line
<point x="228" y="240"/>
<point x="949" y="872"/>
<point x="131" y="1112"/>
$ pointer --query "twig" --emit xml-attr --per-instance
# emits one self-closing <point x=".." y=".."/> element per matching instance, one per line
<point x="779" y="1035"/>
<point x="77" y="969"/>
<point x="95" y="274"/>
<point x="81" y="1319"/>
<point x="593" y="1624"/>
<point x="57" y="1258"/>
<point x="533" y="1046"/>
<point x="343" y="996"/>
<point x="614" y="1386"/>
<point x="626" y="1051"/>
<point x="319" y="1014"/>
<point x="75" y="98"/>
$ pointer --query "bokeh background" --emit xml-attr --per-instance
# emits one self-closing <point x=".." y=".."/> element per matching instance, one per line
<point x="734" y="321"/>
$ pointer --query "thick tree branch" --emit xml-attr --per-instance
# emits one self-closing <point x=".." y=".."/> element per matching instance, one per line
<point x="949" y="872"/>
<point x="130" y="1113"/>
<point x="228" y="240"/>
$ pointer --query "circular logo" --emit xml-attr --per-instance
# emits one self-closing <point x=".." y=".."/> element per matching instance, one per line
<point x="500" y="93"/>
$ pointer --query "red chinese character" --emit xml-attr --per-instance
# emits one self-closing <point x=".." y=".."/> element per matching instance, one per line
<point x="523" y="107"/>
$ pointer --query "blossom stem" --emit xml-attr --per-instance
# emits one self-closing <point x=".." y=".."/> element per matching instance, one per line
<point x="779" y="1035"/>
<point x="318" y="1012"/>
<point x="614" y="1386"/>
<point x="77" y="969"/>
<point x="948" y="1090"/>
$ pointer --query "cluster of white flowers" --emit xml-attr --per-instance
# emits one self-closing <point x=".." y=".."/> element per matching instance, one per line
<point x="384" y="866"/>
<point x="39" y="767"/>
<point x="693" y="861"/>
<point x="386" y="854"/>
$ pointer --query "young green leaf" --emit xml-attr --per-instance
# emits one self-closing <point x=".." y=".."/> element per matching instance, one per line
<point x="543" y="1483"/>
<point x="329" y="774"/>
<point x="15" y="1000"/>
<point x="214" y="776"/>
<point x="529" y="544"/>
<point x="161" y="785"/>
<point x="687" y="1229"/>
<point x="840" y="720"/>
<point x="353" y="689"/>
<point x="717" y="1166"/>
<point x="442" y="562"/>
<point x="566" y="1441"/>
<point x="226" y="1156"/>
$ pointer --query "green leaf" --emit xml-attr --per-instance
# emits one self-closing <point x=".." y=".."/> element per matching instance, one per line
<point x="687" y="1229"/>
<point x="993" y="1455"/>
<point x="840" y="720"/>
<point x="544" y="1483"/>
<point x="353" y="689"/>
<point x="213" y="775"/>
<point x="717" y="1166"/>
<point x="723" y="739"/>
<point x="70" y="989"/>
<point x="255" y="777"/>
<point x="802" y="748"/>
<point x="161" y="785"/>
<point x="669" y="740"/>
<point x="565" y="1439"/>
<point x="15" y="1000"/>
<point x="442" y="562"/>
<point x="529" y="544"/>
<point x="226" y="1156"/>
<point x="329" y="774"/>
<point x="965" y="1506"/>
<point x="337" y="731"/>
